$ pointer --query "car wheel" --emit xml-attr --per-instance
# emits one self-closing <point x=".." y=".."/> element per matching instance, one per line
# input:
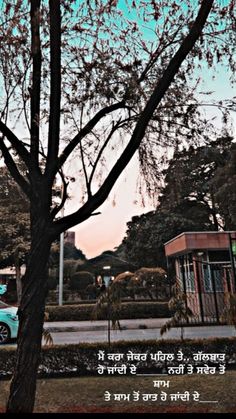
<point x="4" y="333"/>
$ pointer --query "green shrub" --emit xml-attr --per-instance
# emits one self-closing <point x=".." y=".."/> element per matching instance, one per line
<point x="148" y="282"/>
<point x="92" y="292"/>
<point x="129" y="310"/>
<point x="80" y="280"/>
<point x="70" y="312"/>
<point x="53" y="281"/>
<point x="81" y="359"/>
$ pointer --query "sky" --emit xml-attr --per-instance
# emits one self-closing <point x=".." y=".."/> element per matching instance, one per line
<point x="106" y="231"/>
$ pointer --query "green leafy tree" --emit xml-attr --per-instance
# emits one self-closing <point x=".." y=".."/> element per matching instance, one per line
<point x="81" y="76"/>
<point x="196" y="197"/>
<point x="71" y="252"/>
<point x="147" y="233"/>
<point x="108" y="306"/>
<point x="178" y="305"/>
<point x="73" y="258"/>
<point x="128" y="284"/>
<point x="15" y="226"/>
<point x="191" y="176"/>
<point x="69" y="268"/>
<point x="154" y="282"/>
<point x="224" y="187"/>
<point x="149" y="282"/>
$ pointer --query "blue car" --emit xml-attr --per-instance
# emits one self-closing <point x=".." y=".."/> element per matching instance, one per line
<point x="8" y="322"/>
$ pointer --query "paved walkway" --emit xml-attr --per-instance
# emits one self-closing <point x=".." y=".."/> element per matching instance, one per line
<point x="92" y="336"/>
<point x="87" y="325"/>
<point x="134" y="324"/>
<point x="137" y="329"/>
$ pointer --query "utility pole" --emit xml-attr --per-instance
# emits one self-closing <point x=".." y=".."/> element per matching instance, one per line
<point x="61" y="263"/>
<point x="232" y="252"/>
<point x="107" y="268"/>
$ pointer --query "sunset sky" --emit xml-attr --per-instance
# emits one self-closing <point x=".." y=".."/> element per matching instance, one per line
<point x="106" y="231"/>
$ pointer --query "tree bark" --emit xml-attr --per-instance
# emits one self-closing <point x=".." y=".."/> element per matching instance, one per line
<point x="31" y="318"/>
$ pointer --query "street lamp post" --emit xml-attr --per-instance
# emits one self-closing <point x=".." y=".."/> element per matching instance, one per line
<point x="232" y="252"/>
<point x="61" y="269"/>
<point x="107" y="268"/>
<point x="61" y="263"/>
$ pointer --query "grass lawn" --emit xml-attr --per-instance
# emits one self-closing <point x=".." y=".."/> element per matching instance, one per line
<point x="86" y="394"/>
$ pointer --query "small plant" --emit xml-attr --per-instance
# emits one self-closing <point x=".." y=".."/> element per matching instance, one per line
<point x="47" y="337"/>
<point x="229" y="313"/>
<point x="108" y="306"/>
<point x="177" y="305"/>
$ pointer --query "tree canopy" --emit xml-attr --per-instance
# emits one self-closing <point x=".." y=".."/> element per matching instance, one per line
<point x="192" y="175"/>
<point x="198" y="195"/>
<point x="107" y="59"/>
<point x="224" y="187"/>
<point x="146" y="234"/>
<point x="15" y="221"/>
<point x="70" y="252"/>
<point x="15" y="226"/>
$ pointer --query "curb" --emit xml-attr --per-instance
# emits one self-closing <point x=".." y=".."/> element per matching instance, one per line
<point x="96" y="328"/>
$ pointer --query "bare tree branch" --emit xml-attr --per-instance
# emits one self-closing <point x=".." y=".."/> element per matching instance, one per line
<point x="113" y="129"/>
<point x="139" y="131"/>
<point x="82" y="153"/>
<point x="158" y="52"/>
<point x="86" y="130"/>
<point x="84" y="170"/>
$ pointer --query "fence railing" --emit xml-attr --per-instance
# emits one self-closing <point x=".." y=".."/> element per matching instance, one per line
<point x="206" y="289"/>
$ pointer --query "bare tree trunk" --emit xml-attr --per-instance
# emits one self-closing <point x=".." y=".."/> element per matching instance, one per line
<point x="31" y="317"/>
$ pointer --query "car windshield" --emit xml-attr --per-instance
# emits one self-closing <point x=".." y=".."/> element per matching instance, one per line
<point x="3" y="305"/>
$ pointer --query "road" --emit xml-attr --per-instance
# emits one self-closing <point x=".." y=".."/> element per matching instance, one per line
<point x="137" y="334"/>
<point x="136" y="329"/>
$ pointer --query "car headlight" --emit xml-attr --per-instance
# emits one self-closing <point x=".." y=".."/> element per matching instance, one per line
<point x="13" y="317"/>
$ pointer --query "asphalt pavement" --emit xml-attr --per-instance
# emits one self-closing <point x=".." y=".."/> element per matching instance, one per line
<point x="73" y="332"/>
<point x="135" y="329"/>
<point x="88" y="325"/>
<point x="90" y="336"/>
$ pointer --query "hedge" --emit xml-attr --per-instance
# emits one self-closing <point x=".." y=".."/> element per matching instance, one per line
<point x="93" y="301"/>
<point x="80" y="280"/>
<point x="81" y="359"/>
<point x="135" y="310"/>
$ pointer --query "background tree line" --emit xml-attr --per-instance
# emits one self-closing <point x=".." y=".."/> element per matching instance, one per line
<point x="199" y="194"/>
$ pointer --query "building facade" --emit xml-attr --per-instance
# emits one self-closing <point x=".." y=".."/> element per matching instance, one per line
<point x="205" y="271"/>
